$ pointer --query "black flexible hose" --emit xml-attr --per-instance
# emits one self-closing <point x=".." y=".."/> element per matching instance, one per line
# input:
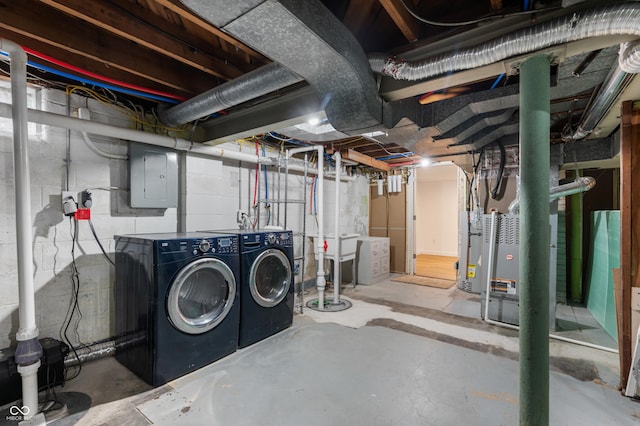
<point x="503" y="159"/>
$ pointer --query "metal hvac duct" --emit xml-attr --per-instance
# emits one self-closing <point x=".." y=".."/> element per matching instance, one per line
<point x="615" y="82"/>
<point x="308" y="40"/>
<point x="612" y="20"/>
<point x="581" y="184"/>
<point x="261" y="81"/>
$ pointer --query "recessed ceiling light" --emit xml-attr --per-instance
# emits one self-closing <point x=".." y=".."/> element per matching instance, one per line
<point x="314" y="121"/>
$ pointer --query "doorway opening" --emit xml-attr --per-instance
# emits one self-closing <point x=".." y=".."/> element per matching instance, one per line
<point x="437" y="208"/>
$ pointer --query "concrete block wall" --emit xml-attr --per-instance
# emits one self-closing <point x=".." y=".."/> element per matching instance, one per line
<point x="211" y="193"/>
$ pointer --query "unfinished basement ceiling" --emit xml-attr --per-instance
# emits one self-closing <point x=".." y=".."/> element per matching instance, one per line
<point x="168" y="49"/>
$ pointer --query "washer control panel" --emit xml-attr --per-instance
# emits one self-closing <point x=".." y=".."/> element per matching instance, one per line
<point x="217" y="245"/>
<point x="266" y="239"/>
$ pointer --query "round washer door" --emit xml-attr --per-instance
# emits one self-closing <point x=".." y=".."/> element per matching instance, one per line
<point x="270" y="278"/>
<point x="201" y="295"/>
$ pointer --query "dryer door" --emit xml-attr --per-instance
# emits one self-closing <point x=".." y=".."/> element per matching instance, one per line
<point x="270" y="278"/>
<point x="201" y="295"/>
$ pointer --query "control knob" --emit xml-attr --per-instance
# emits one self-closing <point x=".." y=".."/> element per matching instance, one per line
<point x="271" y="238"/>
<point x="204" y="246"/>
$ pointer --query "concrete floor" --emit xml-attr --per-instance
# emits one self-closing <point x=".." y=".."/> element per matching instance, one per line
<point x="402" y="355"/>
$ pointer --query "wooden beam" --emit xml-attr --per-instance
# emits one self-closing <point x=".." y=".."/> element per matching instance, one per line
<point x="69" y="39"/>
<point x="178" y="8"/>
<point x="407" y="24"/>
<point x="199" y="39"/>
<point x="629" y="225"/>
<point x="110" y="19"/>
<point x="352" y="155"/>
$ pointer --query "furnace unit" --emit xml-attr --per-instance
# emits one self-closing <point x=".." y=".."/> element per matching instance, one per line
<point x="503" y="273"/>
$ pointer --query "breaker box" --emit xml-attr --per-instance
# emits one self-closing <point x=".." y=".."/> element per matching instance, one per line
<point x="153" y="176"/>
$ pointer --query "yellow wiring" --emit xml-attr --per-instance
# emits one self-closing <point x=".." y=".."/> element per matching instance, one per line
<point x="113" y="104"/>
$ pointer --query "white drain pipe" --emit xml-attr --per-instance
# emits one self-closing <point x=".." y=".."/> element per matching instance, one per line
<point x="66" y="122"/>
<point x="490" y="260"/>
<point x="320" y="279"/>
<point x="338" y="249"/>
<point x="28" y="351"/>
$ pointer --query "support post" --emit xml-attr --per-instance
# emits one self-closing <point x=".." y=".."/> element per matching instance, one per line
<point x="534" y="240"/>
<point x="629" y="226"/>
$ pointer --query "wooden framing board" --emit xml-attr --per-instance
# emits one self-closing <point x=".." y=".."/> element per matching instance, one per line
<point x="353" y="155"/>
<point x="629" y="225"/>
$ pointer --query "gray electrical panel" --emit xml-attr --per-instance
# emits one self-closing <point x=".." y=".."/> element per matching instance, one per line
<point x="504" y="287"/>
<point x="153" y="176"/>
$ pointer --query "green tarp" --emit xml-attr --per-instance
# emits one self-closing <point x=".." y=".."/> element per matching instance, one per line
<point x="604" y="256"/>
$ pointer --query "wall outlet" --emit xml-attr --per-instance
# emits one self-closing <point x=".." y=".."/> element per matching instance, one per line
<point x="69" y="203"/>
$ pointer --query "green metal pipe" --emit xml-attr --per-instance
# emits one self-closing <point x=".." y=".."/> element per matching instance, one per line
<point x="534" y="240"/>
<point x="576" y="244"/>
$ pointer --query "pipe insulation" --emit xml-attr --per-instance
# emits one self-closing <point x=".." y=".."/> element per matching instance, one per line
<point x="29" y="350"/>
<point x="611" y="20"/>
<point x="90" y="353"/>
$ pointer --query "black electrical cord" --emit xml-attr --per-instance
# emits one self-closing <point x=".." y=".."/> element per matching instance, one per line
<point x="93" y="231"/>
<point x="73" y="306"/>
<point x="503" y="159"/>
<point x="474" y="21"/>
<point x="473" y="178"/>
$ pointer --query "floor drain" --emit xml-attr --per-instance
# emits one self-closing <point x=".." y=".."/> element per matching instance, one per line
<point x="329" y="306"/>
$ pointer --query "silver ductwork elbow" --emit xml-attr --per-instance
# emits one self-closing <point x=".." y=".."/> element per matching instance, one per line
<point x="581" y="184"/>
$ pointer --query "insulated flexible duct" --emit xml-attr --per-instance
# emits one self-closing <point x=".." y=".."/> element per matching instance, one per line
<point x="612" y="20"/>
<point x="261" y="81"/>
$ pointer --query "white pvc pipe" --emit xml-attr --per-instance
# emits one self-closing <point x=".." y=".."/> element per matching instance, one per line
<point x="58" y="120"/>
<point x="337" y="279"/>
<point x="492" y="243"/>
<point x="320" y="279"/>
<point x="27" y="329"/>
<point x="86" y="115"/>
<point x="29" y="376"/>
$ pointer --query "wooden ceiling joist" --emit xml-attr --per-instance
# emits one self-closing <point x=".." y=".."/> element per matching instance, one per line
<point x="26" y="21"/>
<point x="407" y="24"/>
<point x="109" y="19"/>
<point x="365" y="160"/>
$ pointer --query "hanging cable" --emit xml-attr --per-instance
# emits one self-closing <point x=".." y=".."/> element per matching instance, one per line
<point x="474" y="21"/>
<point x="93" y="231"/>
<point x="503" y="159"/>
<point x="73" y="306"/>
